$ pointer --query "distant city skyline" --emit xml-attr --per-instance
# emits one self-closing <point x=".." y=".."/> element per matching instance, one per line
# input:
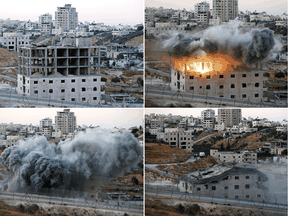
<point x="272" y="114"/>
<point x="270" y="6"/>
<point x="110" y="12"/>
<point x="105" y="118"/>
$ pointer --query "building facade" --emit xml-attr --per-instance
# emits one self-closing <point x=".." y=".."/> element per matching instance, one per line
<point x="240" y="85"/>
<point x="229" y="117"/>
<point x="14" y="40"/>
<point x="179" y="138"/>
<point x="61" y="73"/>
<point x="44" y="18"/>
<point x="65" y="121"/>
<point x="66" y="18"/>
<point x="237" y="157"/>
<point x="225" y="9"/>
<point x="46" y="122"/>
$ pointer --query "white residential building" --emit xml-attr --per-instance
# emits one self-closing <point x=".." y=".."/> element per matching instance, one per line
<point x="14" y="40"/>
<point x="201" y="7"/>
<point x="46" y="122"/>
<point x="44" y="18"/>
<point x="66" y="18"/>
<point x="65" y="121"/>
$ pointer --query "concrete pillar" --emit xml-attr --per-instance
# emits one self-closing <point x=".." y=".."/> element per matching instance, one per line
<point x="89" y="64"/>
<point x="46" y="62"/>
<point x="99" y="60"/>
<point x="29" y="64"/>
<point x="55" y="58"/>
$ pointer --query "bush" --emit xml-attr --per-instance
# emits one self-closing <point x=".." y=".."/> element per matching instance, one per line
<point x="279" y="75"/>
<point x="115" y="79"/>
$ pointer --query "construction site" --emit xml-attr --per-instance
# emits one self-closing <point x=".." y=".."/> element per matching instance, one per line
<point x="200" y="69"/>
<point x="55" y="184"/>
<point x="71" y="72"/>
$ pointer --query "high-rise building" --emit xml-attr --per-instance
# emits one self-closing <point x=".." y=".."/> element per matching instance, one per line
<point x="229" y="117"/>
<point x="44" y="18"/>
<point x="66" y="18"/>
<point x="225" y="9"/>
<point x="65" y="121"/>
<point x="201" y="7"/>
<point x="46" y="122"/>
<point x="207" y="114"/>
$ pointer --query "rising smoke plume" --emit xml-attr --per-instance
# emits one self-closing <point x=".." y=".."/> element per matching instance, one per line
<point x="248" y="48"/>
<point x="69" y="164"/>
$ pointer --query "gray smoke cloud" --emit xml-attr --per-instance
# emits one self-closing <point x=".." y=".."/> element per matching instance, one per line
<point x="250" y="47"/>
<point x="69" y="164"/>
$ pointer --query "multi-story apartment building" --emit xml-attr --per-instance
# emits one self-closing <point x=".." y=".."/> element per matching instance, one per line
<point x="65" y="121"/>
<point x="225" y="9"/>
<point x="46" y="122"/>
<point x="233" y="183"/>
<point x="66" y="18"/>
<point x="14" y="40"/>
<point x="201" y="7"/>
<point x="179" y="138"/>
<point x="65" y="73"/>
<point x="237" y="157"/>
<point x="229" y="117"/>
<point x="207" y="114"/>
<point x="44" y="18"/>
<point x="240" y="85"/>
<point x="164" y="28"/>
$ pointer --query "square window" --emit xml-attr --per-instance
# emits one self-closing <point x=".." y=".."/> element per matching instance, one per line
<point x="35" y="82"/>
<point x="72" y="99"/>
<point x="226" y="188"/>
<point x="213" y="187"/>
<point x="247" y="196"/>
<point x="62" y="81"/>
<point x="256" y="74"/>
<point x="191" y="77"/>
<point x="243" y="75"/>
<point x="243" y="85"/>
<point x="232" y="96"/>
<point x="236" y="177"/>
<point x="232" y="76"/>
<point x="51" y="81"/>
<point x="92" y="196"/>
<point x="244" y="96"/>
<point x="43" y="90"/>
<point x="36" y="92"/>
<point x="73" y="81"/>
<point x="43" y="80"/>
<point x="221" y="76"/>
<point x="247" y="186"/>
<point x="257" y="85"/>
<point x="62" y="90"/>
<point x="95" y="80"/>
<point x="83" y="89"/>
<point x="221" y="87"/>
<point x="236" y="187"/>
<point x="83" y="99"/>
<point x="247" y="177"/>
<point x="94" y="98"/>
<point x="258" y="195"/>
<point x="83" y="80"/>
<point x="256" y="95"/>
<point x="191" y="87"/>
<point x="198" y="189"/>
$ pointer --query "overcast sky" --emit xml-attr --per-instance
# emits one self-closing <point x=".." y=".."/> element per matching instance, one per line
<point x="274" y="114"/>
<point x="110" y="12"/>
<point x="270" y="6"/>
<point x="106" y="118"/>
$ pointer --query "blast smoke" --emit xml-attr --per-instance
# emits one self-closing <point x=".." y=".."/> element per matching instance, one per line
<point x="248" y="48"/>
<point x="69" y="164"/>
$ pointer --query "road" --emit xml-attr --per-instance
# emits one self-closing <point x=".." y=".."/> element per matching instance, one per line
<point x="110" y="204"/>
<point x="186" y="97"/>
<point x="203" y="138"/>
<point x="160" y="192"/>
<point x="157" y="71"/>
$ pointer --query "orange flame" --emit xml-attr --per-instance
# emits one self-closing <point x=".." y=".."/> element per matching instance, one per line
<point x="211" y="64"/>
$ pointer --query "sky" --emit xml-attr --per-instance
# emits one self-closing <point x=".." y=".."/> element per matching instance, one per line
<point x="272" y="114"/>
<point x="105" y="118"/>
<point x="110" y="12"/>
<point x="270" y="6"/>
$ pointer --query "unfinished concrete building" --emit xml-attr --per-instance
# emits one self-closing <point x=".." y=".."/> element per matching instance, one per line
<point x="231" y="183"/>
<point x="65" y="73"/>
<point x="235" y="85"/>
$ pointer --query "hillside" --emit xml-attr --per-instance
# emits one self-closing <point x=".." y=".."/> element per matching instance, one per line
<point x="162" y="154"/>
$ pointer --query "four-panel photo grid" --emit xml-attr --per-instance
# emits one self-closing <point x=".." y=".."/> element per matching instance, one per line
<point x="143" y="107"/>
